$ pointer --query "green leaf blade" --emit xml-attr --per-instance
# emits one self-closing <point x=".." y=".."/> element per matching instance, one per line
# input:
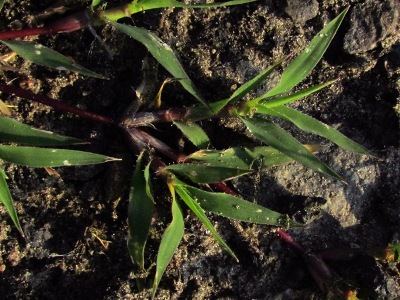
<point x="199" y="212"/>
<point x="6" y="199"/>
<point x="140" y="212"/>
<point x="17" y="132"/>
<point x="242" y="157"/>
<point x="305" y="62"/>
<point x="43" y="157"/>
<point x="233" y="207"/>
<point x="199" y="113"/>
<point x="195" y="134"/>
<point x="271" y="134"/>
<point x="281" y="100"/>
<point x="142" y="5"/>
<point x="206" y="174"/>
<point x="163" y="54"/>
<point x="245" y="88"/>
<point x="47" y="57"/>
<point x="314" y="126"/>
<point x="169" y="243"/>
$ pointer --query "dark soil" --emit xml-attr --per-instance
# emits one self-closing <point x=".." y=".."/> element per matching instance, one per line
<point x="75" y="223"/>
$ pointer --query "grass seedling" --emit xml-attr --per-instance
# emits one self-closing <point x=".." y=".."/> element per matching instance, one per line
<point x="195" y="180"/>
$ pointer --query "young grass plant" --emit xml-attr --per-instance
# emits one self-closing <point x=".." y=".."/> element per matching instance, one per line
<point x="195" y="181"/>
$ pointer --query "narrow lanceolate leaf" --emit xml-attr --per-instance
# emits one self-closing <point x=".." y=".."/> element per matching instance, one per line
<point x="17" y="132"/>
<point x="195" y="134"/>
<point x="242" y="158"/>
<point x="199" y="113"/>
<point x="305" y="62"/>
<point x="47" y="57"/>
<point x="2" y="4"/>
<point x="169" y="242"/>
<point x="199" y="212"/>
<point x="281" y="100"/>
<point x="274" y="136"/>
<point x="314" y="126"/>
<point x="141" y="5"/>
<point x="140" y="212"/>
<point x="233" y="207"/>
<point x="247" y="87"/>
<point x="5" y="198"/>
<point x="163" y="54"/>
<point x="205" y="173"/>
<point x="43" y="157"/>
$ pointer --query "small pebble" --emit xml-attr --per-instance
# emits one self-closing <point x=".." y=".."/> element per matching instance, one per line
<point x="370" y="23"/>
<point x="302" y="10"/>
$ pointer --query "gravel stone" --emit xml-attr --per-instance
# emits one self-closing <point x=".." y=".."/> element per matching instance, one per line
<point x="370" y="23"/>
<point x="302" y="11"/>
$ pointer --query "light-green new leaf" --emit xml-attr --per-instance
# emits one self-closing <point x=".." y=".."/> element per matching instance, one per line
<point x="44" y="157"/>
<point x="281" y="100"/>
<point x="5" y="198"/>
<point x="47" y="57"/>
<point x="17" y="132"/>
<point x="163" y="54"/>
<point x="199" y="113"/>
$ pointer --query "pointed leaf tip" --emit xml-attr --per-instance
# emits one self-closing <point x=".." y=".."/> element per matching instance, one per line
<point x="163" y="53"/>
<point x="6" y="199"/>
<point x="47" y="57"/>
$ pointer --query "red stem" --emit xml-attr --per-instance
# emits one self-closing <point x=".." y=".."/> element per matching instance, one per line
<point x="8" y="89"/>
<point x="290" y="241"/>
<point x="144" y="139"/>
<point x="71" y="23"/>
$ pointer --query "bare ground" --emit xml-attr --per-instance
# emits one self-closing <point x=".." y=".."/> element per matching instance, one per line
<point x="76" y="229"/>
